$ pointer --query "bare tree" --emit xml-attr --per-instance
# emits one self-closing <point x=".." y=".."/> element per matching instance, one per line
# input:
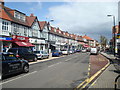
<point x="103" y="41"/>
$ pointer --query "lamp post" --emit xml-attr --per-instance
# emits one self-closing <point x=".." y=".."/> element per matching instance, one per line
<point x="114" y="30"/>
<point x="48" y="25"/>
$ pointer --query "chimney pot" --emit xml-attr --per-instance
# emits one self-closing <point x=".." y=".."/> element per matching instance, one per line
<point x="31" y="15"/>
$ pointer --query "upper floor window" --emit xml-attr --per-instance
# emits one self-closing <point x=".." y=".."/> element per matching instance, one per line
<point x="4" y="25"/>
<point x="19" y="16"/>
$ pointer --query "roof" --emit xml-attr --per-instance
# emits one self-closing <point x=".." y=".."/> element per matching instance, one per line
<point x="4" y="15"/>
<point x="42" y="24"/>
<point x="30" y="20"/>
<point x="8" y="14"/>
<point x="87" y="37"/>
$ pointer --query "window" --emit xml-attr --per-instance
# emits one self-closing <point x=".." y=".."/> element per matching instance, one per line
<point x="25" y="31"/>
<point x="9" y="57"/>
<point x="16" y="29"/>
<point x="4" y="25"/>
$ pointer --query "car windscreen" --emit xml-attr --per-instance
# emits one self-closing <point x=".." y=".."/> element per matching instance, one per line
<point x="9" y="57"/>
<point x="36" y="51"/>
<point x="12" y="50"/>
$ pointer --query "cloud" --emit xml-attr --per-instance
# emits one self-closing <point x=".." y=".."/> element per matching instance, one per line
<point x="84" y="17"/>
<point x="36" y="7"/>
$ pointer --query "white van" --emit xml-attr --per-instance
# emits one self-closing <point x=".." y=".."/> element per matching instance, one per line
<point x="94" y="51"/>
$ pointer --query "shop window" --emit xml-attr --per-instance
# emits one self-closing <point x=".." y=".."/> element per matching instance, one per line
<point x="4" y="25"/>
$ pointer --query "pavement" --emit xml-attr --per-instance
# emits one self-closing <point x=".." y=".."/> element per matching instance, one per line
<point x="107" y="79"/>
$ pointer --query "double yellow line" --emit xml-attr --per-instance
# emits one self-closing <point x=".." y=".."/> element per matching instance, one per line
<point x="88" y="80"/>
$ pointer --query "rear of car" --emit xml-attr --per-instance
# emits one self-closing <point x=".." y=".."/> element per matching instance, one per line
<point x="65" y="52"/>
<point x="56" y="53"/>
<point x="24" y="53"/>
<point x="94" y="51"/>
<point x="11" y="64"/>
<point x="70" y="51"/>
<point x="41" y="54"/>
<point x="84" y="50"/>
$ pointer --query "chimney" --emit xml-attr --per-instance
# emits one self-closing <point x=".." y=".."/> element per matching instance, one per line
<point x="32" y="15"/>
<point x="2" y="4"/>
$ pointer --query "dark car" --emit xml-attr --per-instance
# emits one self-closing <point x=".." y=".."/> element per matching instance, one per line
<point x="56" y="53"/>
<point x="78" y="50"/>
<point x="24" y="53"/>
<point x="11" y="64"/>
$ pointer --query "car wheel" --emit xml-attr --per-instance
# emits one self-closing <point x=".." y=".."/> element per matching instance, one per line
<point x="35" y="59"/>
<point x="26" y="69"/>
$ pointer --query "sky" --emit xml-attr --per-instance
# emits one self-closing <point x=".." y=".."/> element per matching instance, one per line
<point x="81" y="18"/>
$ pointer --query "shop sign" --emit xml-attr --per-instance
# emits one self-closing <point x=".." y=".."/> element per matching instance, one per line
<point x="118" y="36"/>
<point x="20" y="38"/>
<point x="118" y="40"/>
<point x="41" y="41"/>
<point x="5" y="39"/>
<point x="36" y="41"/>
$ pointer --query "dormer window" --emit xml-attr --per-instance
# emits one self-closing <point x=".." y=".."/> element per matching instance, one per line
<point x="19" y="15"/>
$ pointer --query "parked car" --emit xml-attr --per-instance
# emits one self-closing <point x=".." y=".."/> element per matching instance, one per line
<point x="41" y="54"/>
<point x="65" y="52"/>
<point x="78" y="50"/>
<point x="94" y="51"/>
<point x="11" y="64"/>
<point x="24" y="53"/>
<point x="84" y="50"/>
<point x="56" y="53"/>
<point x="70" y="51"/>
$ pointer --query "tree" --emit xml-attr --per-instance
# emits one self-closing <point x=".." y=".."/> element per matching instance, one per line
<point x="103" y="41"/>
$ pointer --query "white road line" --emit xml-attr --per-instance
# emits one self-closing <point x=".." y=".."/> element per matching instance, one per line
<point x="54" y="64"/>
<point x="70" y="58"/>
<point x="18" y="78"/>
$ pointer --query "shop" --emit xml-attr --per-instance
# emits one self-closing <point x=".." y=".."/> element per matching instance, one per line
<point x="57" y="45"/>
<point x="39" y="44"/>
<point x="5" y="44"/>
<point x="21" y="41"/>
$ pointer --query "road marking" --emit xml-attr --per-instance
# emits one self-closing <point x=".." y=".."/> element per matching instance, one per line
<point x="88" y="80"/>
<point x="54" y="64"/>
<point x="95" y="75"/>
<point x="18" y="78"/>
<point x="70" y="58"/>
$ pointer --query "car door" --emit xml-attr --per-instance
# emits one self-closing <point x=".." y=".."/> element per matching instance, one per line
<point x="13" y="63"/>
<point x="5" y="68"/>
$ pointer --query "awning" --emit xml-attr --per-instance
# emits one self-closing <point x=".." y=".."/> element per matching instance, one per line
<point x="53" y="45"/>
<point x="25" y="44"/>
<point x="86" y="46"/>
<point x="82" y="43"/>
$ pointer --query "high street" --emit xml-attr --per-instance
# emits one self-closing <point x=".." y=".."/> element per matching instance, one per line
<point x="64" y="72"/>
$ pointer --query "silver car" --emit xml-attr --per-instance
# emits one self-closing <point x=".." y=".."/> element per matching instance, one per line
<point x="41" y="54"/>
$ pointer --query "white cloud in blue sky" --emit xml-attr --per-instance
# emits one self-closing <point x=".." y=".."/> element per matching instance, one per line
<point x="85" y="17"/>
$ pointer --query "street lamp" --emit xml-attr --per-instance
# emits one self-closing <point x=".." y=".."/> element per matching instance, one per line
<point x="114" y="30"/>
<point x="48" y="25"/>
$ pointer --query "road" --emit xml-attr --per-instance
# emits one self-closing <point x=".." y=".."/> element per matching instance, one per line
<point x="63" y="72"/>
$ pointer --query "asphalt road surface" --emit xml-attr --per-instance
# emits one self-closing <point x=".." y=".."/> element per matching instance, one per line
<point x="63" y="72"/>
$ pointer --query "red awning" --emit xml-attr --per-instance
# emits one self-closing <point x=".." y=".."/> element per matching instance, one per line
<point x="86" y="46"/>
<point x="25" y="44"/>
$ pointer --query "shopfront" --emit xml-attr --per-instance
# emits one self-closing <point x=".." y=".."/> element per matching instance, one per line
<point x="21" y="41"/>
<point x="5" y="43"/>
<point x="39" y="44"/>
